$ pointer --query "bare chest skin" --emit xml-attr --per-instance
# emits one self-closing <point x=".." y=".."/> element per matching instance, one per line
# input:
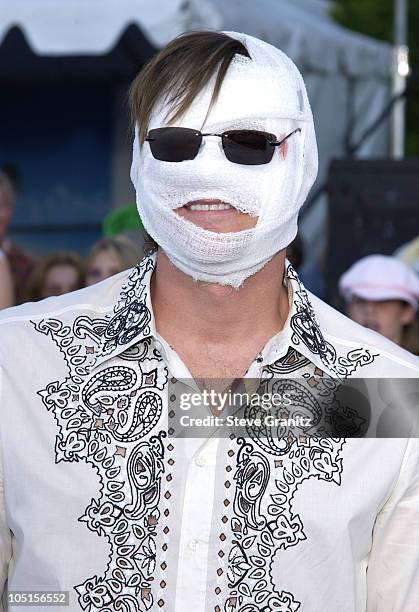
<point x="217" y="370"/>
<point x="207" y="362"/>
<point x="218" y="331"/>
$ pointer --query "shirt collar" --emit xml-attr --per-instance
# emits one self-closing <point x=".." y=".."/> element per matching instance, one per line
<point x="132" y="321"/>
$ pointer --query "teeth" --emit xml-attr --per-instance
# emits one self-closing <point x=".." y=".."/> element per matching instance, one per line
<point x="209" y="206"/>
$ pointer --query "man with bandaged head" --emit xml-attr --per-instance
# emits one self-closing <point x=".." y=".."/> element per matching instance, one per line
<point x="101" y="496"/>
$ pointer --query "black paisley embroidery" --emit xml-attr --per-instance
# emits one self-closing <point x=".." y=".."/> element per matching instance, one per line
<point x="252" y="587"/>
<point x="307" y="330"/>
<point x="255" y="543"/>
<point x="131" y="314"/>
<point x="278" y="439"/>
<point x="102" y="421"/>
<point x="305" y="326"/>
<point x="291" y="362"/>
<point x="108" y="416"/>
<point x="252" y="477"/>
<point x="144" y="469"/>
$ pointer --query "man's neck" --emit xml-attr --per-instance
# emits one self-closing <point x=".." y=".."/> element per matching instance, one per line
<point x="219" y="315"/>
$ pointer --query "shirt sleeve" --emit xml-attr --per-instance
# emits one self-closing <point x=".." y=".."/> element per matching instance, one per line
<point x="5" y="535"/>
<point x="393" y="568"/>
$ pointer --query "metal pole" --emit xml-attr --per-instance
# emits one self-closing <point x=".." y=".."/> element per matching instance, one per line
<point x="400" y="73"/>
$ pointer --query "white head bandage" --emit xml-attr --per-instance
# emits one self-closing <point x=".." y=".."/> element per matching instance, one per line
<point x="264" y="93"/>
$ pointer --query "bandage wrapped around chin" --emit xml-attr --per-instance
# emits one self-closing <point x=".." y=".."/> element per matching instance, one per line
<point x="264" y="93"/>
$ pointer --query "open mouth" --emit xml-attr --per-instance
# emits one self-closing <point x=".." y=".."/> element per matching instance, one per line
<point x="207" y="205"/>
<point x="215" y="215"/>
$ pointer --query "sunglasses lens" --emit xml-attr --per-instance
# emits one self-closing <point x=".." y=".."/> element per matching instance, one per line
<point x="248" y="147"/>
<point x="173" y="144"/>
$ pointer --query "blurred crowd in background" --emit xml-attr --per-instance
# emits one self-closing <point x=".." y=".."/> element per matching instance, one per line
<point x="380" y="292"/>
<point x="26" y="277"/>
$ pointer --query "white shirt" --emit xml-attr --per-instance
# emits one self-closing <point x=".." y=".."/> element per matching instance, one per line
<point x="97" y="499"/>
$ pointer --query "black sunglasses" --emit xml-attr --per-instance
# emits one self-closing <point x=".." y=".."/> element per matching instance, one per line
<point x="249" y="147"/>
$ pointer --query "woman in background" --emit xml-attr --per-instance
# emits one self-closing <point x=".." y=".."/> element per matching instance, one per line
<point x="110" y="256"/>
<point x="56" y="274"/>
<point x="6" y="283"/>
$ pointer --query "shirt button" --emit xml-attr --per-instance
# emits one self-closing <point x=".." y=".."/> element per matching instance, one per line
<point x="200" y="460"/>
<point x="193" y="544"/>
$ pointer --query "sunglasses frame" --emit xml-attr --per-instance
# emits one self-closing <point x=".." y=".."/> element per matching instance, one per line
<point x="224" y="136"/>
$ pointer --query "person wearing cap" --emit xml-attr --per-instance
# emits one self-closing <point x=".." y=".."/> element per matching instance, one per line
<point x="382" y="293"/>
<point x="98" y="498"/>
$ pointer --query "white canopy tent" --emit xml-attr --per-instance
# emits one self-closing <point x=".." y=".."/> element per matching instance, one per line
<point x="83" y="27"/>
<point x="348" y="75"/>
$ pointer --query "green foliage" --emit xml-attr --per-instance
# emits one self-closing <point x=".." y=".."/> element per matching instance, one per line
<point x="375" y="18"/>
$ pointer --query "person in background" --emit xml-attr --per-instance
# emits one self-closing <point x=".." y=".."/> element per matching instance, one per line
<point x="382" y="293"/>
<point x="55" y="274"/>
<point x="6" y="283"/>
<point x="110" y="256"/>
<point x="20" y="261"/>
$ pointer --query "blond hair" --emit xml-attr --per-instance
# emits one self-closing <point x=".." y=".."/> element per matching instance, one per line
<point x="122" y="247"/>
